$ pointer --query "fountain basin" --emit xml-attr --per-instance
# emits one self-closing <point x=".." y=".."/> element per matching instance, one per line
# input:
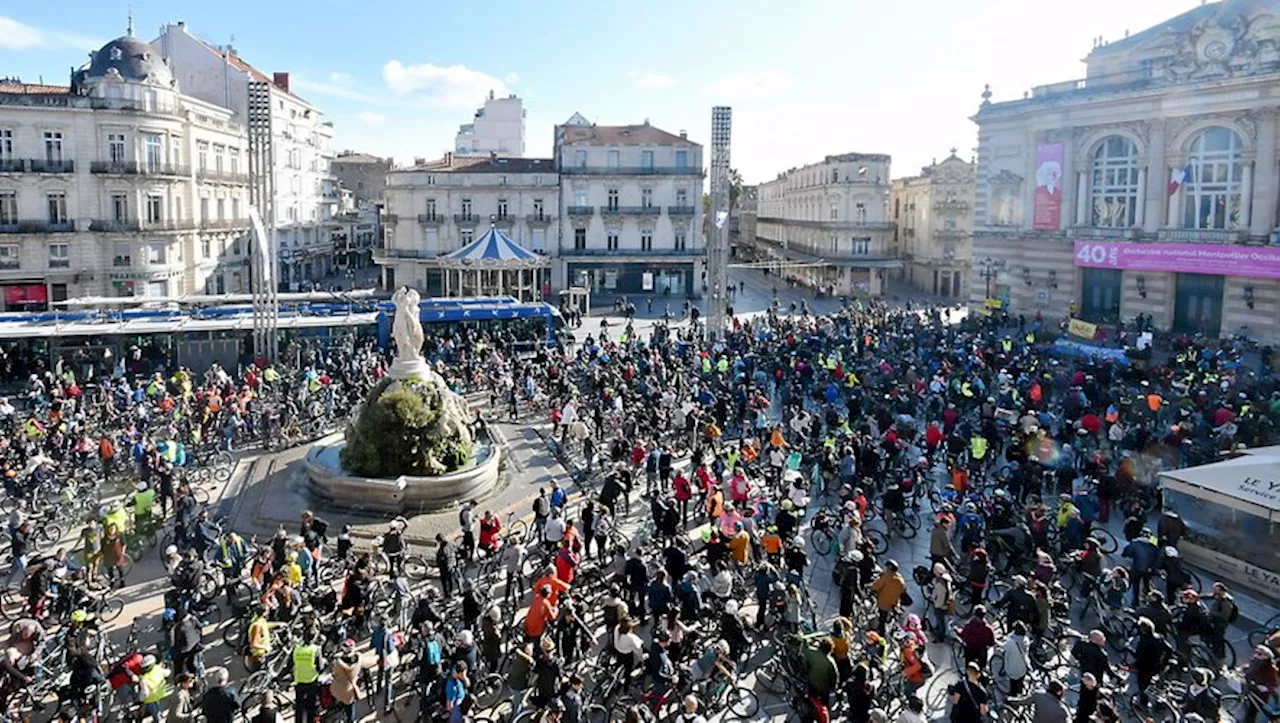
<point x="406" y="493"/>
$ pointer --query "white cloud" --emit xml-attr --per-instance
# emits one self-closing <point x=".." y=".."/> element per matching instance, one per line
<point x="511" y="78"/>
<point x="373" y="119"/>
<point x="437" y="86"/>
<point x="345" y="80"/>
<point x="748" y="86"/>
<point x="654" y="81"/>
<point x="338" y="85"/>
<point x="15" y="35"/>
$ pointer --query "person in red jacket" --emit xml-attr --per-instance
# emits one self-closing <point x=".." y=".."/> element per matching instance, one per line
<point x="490" y="528"/>
<point x="566" y="562"/>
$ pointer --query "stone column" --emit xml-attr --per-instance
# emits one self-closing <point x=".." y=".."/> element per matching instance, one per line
<point x="1263" y="219"/>
<point x="1246" y="194"/>
<point x="1139" y="215"/>
<point x="1155" y="192"/>
<point x="1082" y="198"/>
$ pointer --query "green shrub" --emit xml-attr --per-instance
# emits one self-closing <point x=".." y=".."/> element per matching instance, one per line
<point x="400" y="431"/>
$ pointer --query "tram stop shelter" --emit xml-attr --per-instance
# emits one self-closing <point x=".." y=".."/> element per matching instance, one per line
<point x="1232" y="514"/>
<point x="494" y="265"/>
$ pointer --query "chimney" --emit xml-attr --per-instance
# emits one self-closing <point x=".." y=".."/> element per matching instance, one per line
<point x="646" y="121"/>
<point x="281" y="81"/>
<point x="182" y="24"/>
<point x="419" y="161"/>
<point x="448" y="159"/>
<point x="684" y="135"/>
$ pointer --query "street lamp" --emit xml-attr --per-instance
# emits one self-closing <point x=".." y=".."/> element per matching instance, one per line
<point x="990" y="269"/>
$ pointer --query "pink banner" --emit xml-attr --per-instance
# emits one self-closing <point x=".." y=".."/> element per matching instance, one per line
<point x="1259" y="262"/>
<point x="1047" y="214"/>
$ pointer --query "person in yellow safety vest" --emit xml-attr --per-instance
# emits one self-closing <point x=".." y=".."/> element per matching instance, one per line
<point x="156" y="387"/>
<point x="978" y="446"/>
<point x="307" y="664"/>
<point x="706" y="365"/>
<point x="1007" y="344"/>
<point x="270" y="375"/>
<point x="153" y="687"/>
<point x="259" y="640"/>
<point x="144" y="502"/>
<point x="1030" y="337"/>
<point x="116" y="515"/>
<point x="32" y="428"/>
<point x="966" y="389"/>
<point x="723" y="365"/>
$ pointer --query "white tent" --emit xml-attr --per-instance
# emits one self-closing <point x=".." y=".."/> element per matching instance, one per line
<point x="1249" y="482"/>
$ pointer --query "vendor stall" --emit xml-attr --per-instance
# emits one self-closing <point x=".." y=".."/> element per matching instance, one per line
<point x="1232" y="514"/>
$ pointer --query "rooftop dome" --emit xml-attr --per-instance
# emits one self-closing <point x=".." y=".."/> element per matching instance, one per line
<point x="133" y="60"/>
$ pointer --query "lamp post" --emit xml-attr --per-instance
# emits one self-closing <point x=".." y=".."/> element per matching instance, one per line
<point x="990" y="269"/>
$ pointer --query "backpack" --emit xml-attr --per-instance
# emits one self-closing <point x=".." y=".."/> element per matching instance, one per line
<point x="433" y="652"/>
<point x="1233" y="612"/>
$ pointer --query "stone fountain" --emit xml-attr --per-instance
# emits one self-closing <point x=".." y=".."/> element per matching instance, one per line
<point x="409" y="446"/>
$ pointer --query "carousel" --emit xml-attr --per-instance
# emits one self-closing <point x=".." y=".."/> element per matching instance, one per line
<point x="494" y="265"/>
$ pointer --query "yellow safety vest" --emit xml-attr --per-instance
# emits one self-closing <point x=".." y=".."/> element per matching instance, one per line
<point x="156" y="681"/>
<point x="119" y="518"/>
<point x="304" y="664"/>
<point x="978" y="447"/>
<point x="261" y="630"/>
<point x="143" y="502"/>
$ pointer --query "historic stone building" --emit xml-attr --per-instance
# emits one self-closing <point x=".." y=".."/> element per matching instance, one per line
<point x="933" y="226"/>
<point x="1148" y="186"/>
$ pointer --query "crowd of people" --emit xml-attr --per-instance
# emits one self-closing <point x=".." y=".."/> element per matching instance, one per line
<point x="717" y="485"/>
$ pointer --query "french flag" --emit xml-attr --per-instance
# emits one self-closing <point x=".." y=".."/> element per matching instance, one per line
<point x="1178" y="177"/>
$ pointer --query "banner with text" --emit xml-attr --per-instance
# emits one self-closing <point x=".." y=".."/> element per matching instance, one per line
<point x="1047" y="213"/>
<point x="1259" y="262"/>
<point x="1082" y="329"/>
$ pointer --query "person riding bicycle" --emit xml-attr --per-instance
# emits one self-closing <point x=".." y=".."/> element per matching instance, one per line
<point x="144" y="501"/>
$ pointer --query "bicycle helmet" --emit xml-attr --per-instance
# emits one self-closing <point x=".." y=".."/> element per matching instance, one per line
<point x="79" y="616"/>
<point x="171" y="551"/>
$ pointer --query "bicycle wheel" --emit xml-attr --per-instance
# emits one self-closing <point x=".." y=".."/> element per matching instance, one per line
<point x="201" y="495"/>
<point x="1107" y="543"/>
<point x="223" y="459"/>
<point x="909" y="523"/>
<point x="741" y="703"/>
<point x="822" y="540"/>
<point x="490" y="690"/>
<point x="518" y="533"/>
<point x="415" y="567"/>
<point x="1260" y="635"/>
<point x="1233" y="708"/>
<point x="232" y="636"/>
<point x="222" y="474"/>
<point x="110" y="609"/>
<point x="879" y="543"/>
<point x="48" y="534"/>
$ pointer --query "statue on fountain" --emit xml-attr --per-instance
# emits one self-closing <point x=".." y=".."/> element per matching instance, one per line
<point x="412" y="423"/>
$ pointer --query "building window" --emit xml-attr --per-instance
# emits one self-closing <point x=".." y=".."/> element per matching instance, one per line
<point x="1213" y="187"/>
<point x="581" y="199"/>
<point x="155" y="209"/>
<point x="682" y="197"/>
<point x="579" y="239"/>
<point x="502" y="180"/>
<point x="539" y="239"/>
<point x="860" y="213"/>
<point x="122" y="254"/>
<point x="206" y="248"/>
<point x="646" y="159"/>
<point x="580" y="159"/>
<point x="682" y="159"/>
<point x="431" y="180"/>
<point x="204" y="209"/>
<point x="155" y="150"/>
<point x="6" y="145"/>
<point x="502" y="208"/>
<point x="202" y="155"/>
<point x="467" y="235"/>
<point x="235" y="208"/>
<point x="119" y="207"/>
<point x="835" y="175"/>
<point x="611" y="239"/>
<point x="9" y="256"/>
<point x="1115" y="183"/>
<point x="466" y="209"/>
<point x="57" y="207"/>
<point x="53" y="146"/>
<point x="155" y="254"/>
<point x="646" y="197"/>
<point x="646" y="240"/>
<point x="680" y="241"/>
<point x="537" y="209"/>
<point x="235" y="248"/>
<point x="234" y="155"/>
<point x="59" y="256"/>
<point x="431" y="208"/>
<point x="861" y="246"/>
<point x="222" y="209"/>
<point x="835" y="213"/>
<point x="613" y="199"/>
<point x="115" y="147"/>
<point x="614" y="159"/>
<point x="219" y="157"/>
<point x="8" y="208"/>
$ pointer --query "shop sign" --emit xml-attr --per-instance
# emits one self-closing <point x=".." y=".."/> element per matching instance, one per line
<point x="646" y="281"/>
<point x="993" y="303"/>
<point x="1234" y="569"/>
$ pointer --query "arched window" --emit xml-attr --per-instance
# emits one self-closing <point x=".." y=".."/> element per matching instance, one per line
<point x="1115" y="183"/>
<point x="1213" y="186"/>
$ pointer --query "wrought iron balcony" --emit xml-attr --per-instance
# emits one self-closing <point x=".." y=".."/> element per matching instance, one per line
<point x="38" y="227"/>
<point x="1204" y="236"/>
<point x="44" y="165"/>
<point x="206" y="174"/>
<point x="430" y="219"/>
<point x="12" y="165"/>
<point x="630" y="171"/>
<point x="580" y="210"/>
<point x="538" y="219"/>
<point x="120" y="168"/>
<point x="681" y="210"/>
<point x="466" y="218"/>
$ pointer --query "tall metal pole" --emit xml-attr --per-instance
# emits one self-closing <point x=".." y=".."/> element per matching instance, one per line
<point x="718" y="242"/>
<point x="263" y="241"/>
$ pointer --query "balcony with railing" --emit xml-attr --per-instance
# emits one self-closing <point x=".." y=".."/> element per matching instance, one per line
<point x="681" y="210"/>
<point x="225" y="224"/>
<point x="631" y="210"/>
<point x="466" y="218"/>
<point x="538" y="219"/>
<point x="12" y="165"/>
<point x="430" y="219"/>
<point x="38" y="227"/>
<point x="207" y="174"/>
<point x="116" y="168"/>
<point x="1202" y="236"/>
<point x="832" y="225"/>
<point x="580" y="210"/>
<point x="133" y="225"/>
<point x="1104" y="232"/>
<point x="47" y="165"/>
<point x="688" y="252"/>
<point x="630" y="171"/>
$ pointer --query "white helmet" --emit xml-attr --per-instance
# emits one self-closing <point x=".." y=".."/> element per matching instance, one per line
<point x="171" y="551"/>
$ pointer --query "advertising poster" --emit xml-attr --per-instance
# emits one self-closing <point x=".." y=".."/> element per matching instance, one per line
<point x="1047" y="213"/>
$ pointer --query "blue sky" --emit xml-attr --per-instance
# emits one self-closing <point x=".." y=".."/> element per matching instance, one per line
<point x="806" y="78"/>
